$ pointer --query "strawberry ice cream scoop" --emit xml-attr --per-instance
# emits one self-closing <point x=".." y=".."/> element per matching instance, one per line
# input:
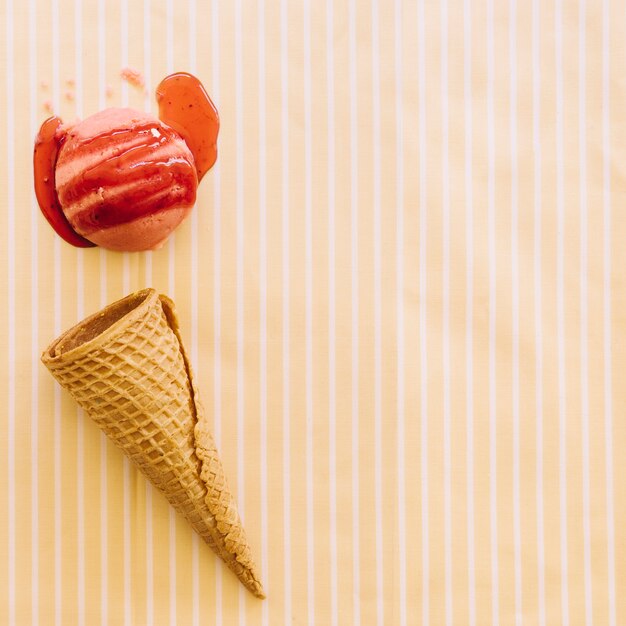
<point x="123" y="179"/>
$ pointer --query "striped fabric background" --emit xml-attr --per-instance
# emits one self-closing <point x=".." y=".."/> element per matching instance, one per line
<point x="404" y="292"/>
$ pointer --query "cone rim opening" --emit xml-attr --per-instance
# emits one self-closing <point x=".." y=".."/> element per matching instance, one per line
<point x="97" y="327"/>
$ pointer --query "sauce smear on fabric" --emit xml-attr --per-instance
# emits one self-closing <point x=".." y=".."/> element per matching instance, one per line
<point x="185" y="106"/>
<point x="47" y="146"/>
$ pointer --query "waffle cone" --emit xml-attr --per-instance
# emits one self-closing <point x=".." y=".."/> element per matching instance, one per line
<point x="127" y="367"/>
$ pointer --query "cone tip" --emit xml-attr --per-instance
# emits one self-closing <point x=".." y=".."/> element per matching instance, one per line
<point x="257" y="590"/>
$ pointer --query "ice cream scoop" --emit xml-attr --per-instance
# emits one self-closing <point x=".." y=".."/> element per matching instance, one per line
<point x="123" y="179"/>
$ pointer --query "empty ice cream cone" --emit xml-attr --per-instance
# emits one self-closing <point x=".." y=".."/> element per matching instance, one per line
<point x="126" y="366"/>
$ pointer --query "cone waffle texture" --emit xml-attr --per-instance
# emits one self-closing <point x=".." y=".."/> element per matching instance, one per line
<point x="126" y="366"/>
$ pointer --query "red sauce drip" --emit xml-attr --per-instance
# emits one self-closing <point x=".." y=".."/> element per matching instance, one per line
<point x="47" y="146"/>
<point x="156" y="183"/>
<point x="185" y="106"/>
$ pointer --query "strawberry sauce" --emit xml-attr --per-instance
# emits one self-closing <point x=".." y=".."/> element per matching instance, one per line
<point x="185" y="106"/>
<point x="47" y="146"/>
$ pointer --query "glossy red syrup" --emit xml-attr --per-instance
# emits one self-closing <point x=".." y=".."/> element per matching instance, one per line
<point x="185" y="106"/>
<point x="47" y="146"/>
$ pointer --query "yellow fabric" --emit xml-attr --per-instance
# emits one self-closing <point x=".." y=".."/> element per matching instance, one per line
<point x="405" y="305"/>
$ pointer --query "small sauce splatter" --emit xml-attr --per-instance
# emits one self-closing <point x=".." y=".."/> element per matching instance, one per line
<point x="47" y="145"/>
<point x="133" y="77"/>
<point x="185" y="106"/>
